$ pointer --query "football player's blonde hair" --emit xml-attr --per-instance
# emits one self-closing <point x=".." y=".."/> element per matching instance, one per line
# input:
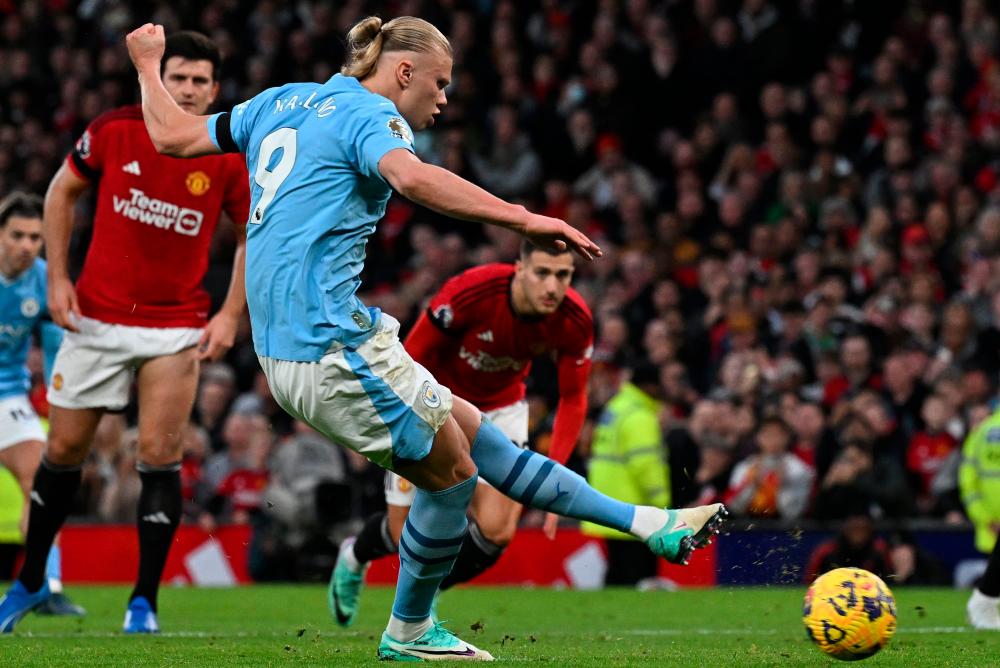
<point x="370" y="38"/>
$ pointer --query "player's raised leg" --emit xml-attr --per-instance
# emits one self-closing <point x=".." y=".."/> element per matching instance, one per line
<point x="537" y="481"/>
<point x="983" y="604"/>
<point x="167" y="387"/>
<point x="56" y="482"/>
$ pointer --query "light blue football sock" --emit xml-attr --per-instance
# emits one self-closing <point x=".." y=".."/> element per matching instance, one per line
<point x="431" y="539"/>
<point x="537" y="481"/>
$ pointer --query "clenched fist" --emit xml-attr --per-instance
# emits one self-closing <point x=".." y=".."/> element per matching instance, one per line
<point x="145" y="47"/>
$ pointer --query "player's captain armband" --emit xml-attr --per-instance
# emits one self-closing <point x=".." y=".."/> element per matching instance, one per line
<point x="221" y="134"/>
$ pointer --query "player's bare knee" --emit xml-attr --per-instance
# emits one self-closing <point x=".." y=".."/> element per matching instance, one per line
<point x="464" y="468"/>
<point x="66" y="451"/>
<point x="159" y="451"/>
<point x="500" y="534"/>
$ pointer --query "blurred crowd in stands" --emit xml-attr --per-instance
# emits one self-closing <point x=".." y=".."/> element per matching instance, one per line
<point x="799" y="204"/>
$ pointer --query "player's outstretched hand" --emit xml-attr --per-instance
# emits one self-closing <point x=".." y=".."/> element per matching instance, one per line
<point x="218" y="336"/>
<point x="64" y="309"/>
<point x="145" y="46"/>
<point x="553" y="233"/>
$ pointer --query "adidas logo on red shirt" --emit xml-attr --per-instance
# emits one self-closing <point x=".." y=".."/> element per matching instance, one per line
<point x="132" y="168"/>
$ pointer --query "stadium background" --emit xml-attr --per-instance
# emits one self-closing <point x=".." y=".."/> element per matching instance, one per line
<point x="797" y="202"/>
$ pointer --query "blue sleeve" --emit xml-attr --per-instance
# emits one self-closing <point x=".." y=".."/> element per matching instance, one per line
<point x="383" y="130"/>
<point x="51" y="335"/>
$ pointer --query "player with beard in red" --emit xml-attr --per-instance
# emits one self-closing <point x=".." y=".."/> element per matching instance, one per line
<point x="137" y="313"/>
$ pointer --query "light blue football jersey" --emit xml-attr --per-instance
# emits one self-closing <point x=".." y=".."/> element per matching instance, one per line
<point x="23" y="307"/>
<point x="312" y="151"/>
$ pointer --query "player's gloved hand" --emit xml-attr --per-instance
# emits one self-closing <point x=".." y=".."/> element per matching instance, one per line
<point x="145" y="46"/>
<point x="218" y="337"/>
<point x="551" y="525"/>
<point x="553" y="233"/>
<point x="63" y="306"/>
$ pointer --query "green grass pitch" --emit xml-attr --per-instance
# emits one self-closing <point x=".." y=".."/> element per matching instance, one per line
<point x="289" y="625"/>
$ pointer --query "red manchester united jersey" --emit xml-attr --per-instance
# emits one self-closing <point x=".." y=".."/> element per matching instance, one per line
<point x="153" y="225"/>
<point x="492" y="346"/>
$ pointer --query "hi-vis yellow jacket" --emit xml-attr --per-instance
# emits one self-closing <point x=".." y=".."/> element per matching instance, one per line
<point x="979" y="480"/>
<point x="628" y="460"/>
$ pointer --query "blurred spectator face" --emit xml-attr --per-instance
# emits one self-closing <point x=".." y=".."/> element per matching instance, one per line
<point x="822" y="132"/>
<point x="988" y="229"/>
<point x="897" y="152"/>
<point x="916" y="245"/>
<point x="541" y="281"/>
<point x="504" y="126"/>
<point x="772" y="439"/>
<point x="762" y="241"/>
<point x="725" y="109"/>
<point x="705" y="418"/>
<point x="673" y="378"/>
<point x="666" y="296"/>
<point x="773" y="103"/>
<point x="855" y="355"/>
<point x="213" y="398"/>
<point x="636" y="268"/>
<point x="857" y="531"/>
<point x="581" y="128"/>
<point x="956" y="327"/>
<point x="935" y="413"/>
<point x="723" y="33"/>
<point x="809" y="422"/>
<point x="191" y="83"/>
<point x="609" y="152"/>
<point x="731" y="210"/>
<point x="976" y="386"/>
<point x="614" y="333"/>
<point x="807" y="268"/>
<point x="897" y="374"/>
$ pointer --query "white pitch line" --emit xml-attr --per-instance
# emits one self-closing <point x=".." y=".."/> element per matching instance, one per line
<point x="538" y="634"/>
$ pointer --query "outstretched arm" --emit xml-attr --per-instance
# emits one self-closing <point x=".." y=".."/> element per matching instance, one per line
<point x="447" y="193"/>
<point x="173" y="131"/>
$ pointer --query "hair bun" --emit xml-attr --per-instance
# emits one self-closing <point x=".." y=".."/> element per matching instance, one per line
<point x="365" y="32"/>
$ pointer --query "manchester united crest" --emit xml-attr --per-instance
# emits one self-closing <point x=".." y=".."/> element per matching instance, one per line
<point x="198" y="183"/>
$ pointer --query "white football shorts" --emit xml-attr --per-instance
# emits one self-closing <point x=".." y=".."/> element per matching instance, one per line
<point x="375" y="399"/>
<point x="18" y="421"/>
<point x="512" y="420"/>
<point x="95" y="367"/>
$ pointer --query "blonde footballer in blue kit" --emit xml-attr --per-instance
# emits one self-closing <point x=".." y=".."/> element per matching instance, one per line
<point x="324" y="159"/>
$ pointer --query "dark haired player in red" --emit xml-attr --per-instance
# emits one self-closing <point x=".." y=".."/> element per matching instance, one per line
<point x="138" y="312"/>
<point x="478" y="338"/>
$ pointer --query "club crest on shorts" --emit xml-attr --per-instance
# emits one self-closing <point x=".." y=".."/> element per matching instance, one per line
<point x="429" y="395"/>
<point x="29" y="307"/>
<point x="57" y="382"/>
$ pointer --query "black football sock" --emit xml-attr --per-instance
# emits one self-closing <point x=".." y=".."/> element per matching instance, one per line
<point x="52" y="496"/>
<point x="989" y="584"/>
<point x="159" y="514"/>
<point x="477" y="554"/>
<point x="375" y="540"/>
